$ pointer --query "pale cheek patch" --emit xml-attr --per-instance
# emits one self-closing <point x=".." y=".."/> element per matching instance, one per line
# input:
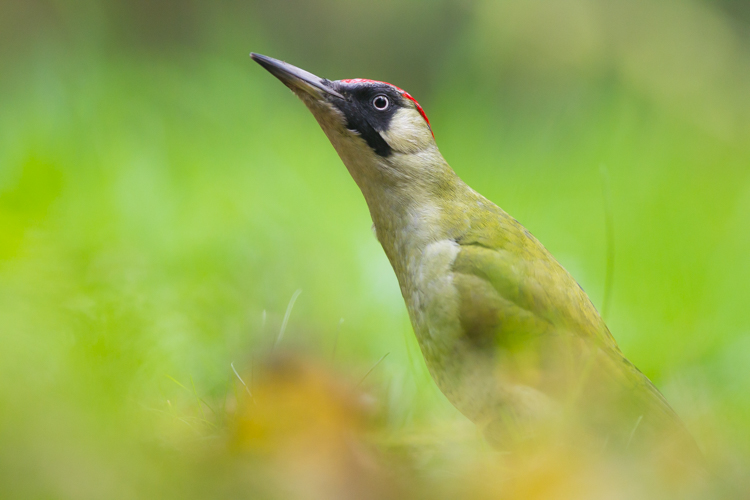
<point x="407" y="132"/>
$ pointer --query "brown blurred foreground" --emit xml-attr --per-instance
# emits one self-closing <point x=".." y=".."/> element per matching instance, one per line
<point x="302" y="432"/>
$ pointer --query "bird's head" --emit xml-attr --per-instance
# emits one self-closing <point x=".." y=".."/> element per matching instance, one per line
<point x="380" y="131"/>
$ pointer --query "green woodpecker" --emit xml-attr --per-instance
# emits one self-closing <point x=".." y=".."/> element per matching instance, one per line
<point x="507" y="334"/>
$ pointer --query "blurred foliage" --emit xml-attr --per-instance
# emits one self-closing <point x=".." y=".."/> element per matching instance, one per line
<point x="162" y="198"/>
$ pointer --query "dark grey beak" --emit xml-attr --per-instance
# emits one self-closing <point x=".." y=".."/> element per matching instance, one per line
<point x="294" y="77"/>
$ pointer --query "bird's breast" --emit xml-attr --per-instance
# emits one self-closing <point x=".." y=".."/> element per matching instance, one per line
<point x="430" y="292"/>
<point x="433" y="303"/>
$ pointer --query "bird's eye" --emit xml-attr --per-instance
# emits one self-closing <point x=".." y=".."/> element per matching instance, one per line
<point x="380" y="102"/>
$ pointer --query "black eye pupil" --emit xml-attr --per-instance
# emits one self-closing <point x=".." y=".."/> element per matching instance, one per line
<point x="380" y="102"/>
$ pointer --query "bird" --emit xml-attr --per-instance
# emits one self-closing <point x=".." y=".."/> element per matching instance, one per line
<point x="507" y="334"/>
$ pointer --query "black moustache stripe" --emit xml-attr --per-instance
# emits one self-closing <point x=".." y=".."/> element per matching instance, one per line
<point x="362" y="117"/>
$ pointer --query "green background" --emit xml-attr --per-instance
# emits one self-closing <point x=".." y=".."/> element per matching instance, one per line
<point x="162" y="197"/>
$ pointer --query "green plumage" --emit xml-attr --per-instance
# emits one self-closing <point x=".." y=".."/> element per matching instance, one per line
<point x="507" y="334"/>
<point x="522" y="311"/>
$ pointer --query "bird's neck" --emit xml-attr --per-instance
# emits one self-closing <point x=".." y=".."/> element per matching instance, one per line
<point x="414" y="199"/>
<point x="410" y="213"/>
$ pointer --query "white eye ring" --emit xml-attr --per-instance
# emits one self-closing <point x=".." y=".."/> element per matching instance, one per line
<point x="380" y="102"/>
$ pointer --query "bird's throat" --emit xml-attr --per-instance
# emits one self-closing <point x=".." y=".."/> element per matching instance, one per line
<point x="409" y="217"/>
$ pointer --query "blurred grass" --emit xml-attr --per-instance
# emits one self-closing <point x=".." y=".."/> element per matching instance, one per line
<point x="161" y="199"/>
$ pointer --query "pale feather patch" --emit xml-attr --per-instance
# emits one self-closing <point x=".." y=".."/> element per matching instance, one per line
<point x="407" y="132"/>
<point x="435" y="292"/>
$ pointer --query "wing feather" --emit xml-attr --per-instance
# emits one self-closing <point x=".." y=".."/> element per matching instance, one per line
<point x="517" y="300"/>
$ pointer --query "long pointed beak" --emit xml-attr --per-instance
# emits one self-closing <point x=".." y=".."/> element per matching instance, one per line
<point x="294" y="77"/>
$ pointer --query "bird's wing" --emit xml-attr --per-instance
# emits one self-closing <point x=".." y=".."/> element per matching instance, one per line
<point x="514" y="297"/>
<point x="523" y="274"/>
